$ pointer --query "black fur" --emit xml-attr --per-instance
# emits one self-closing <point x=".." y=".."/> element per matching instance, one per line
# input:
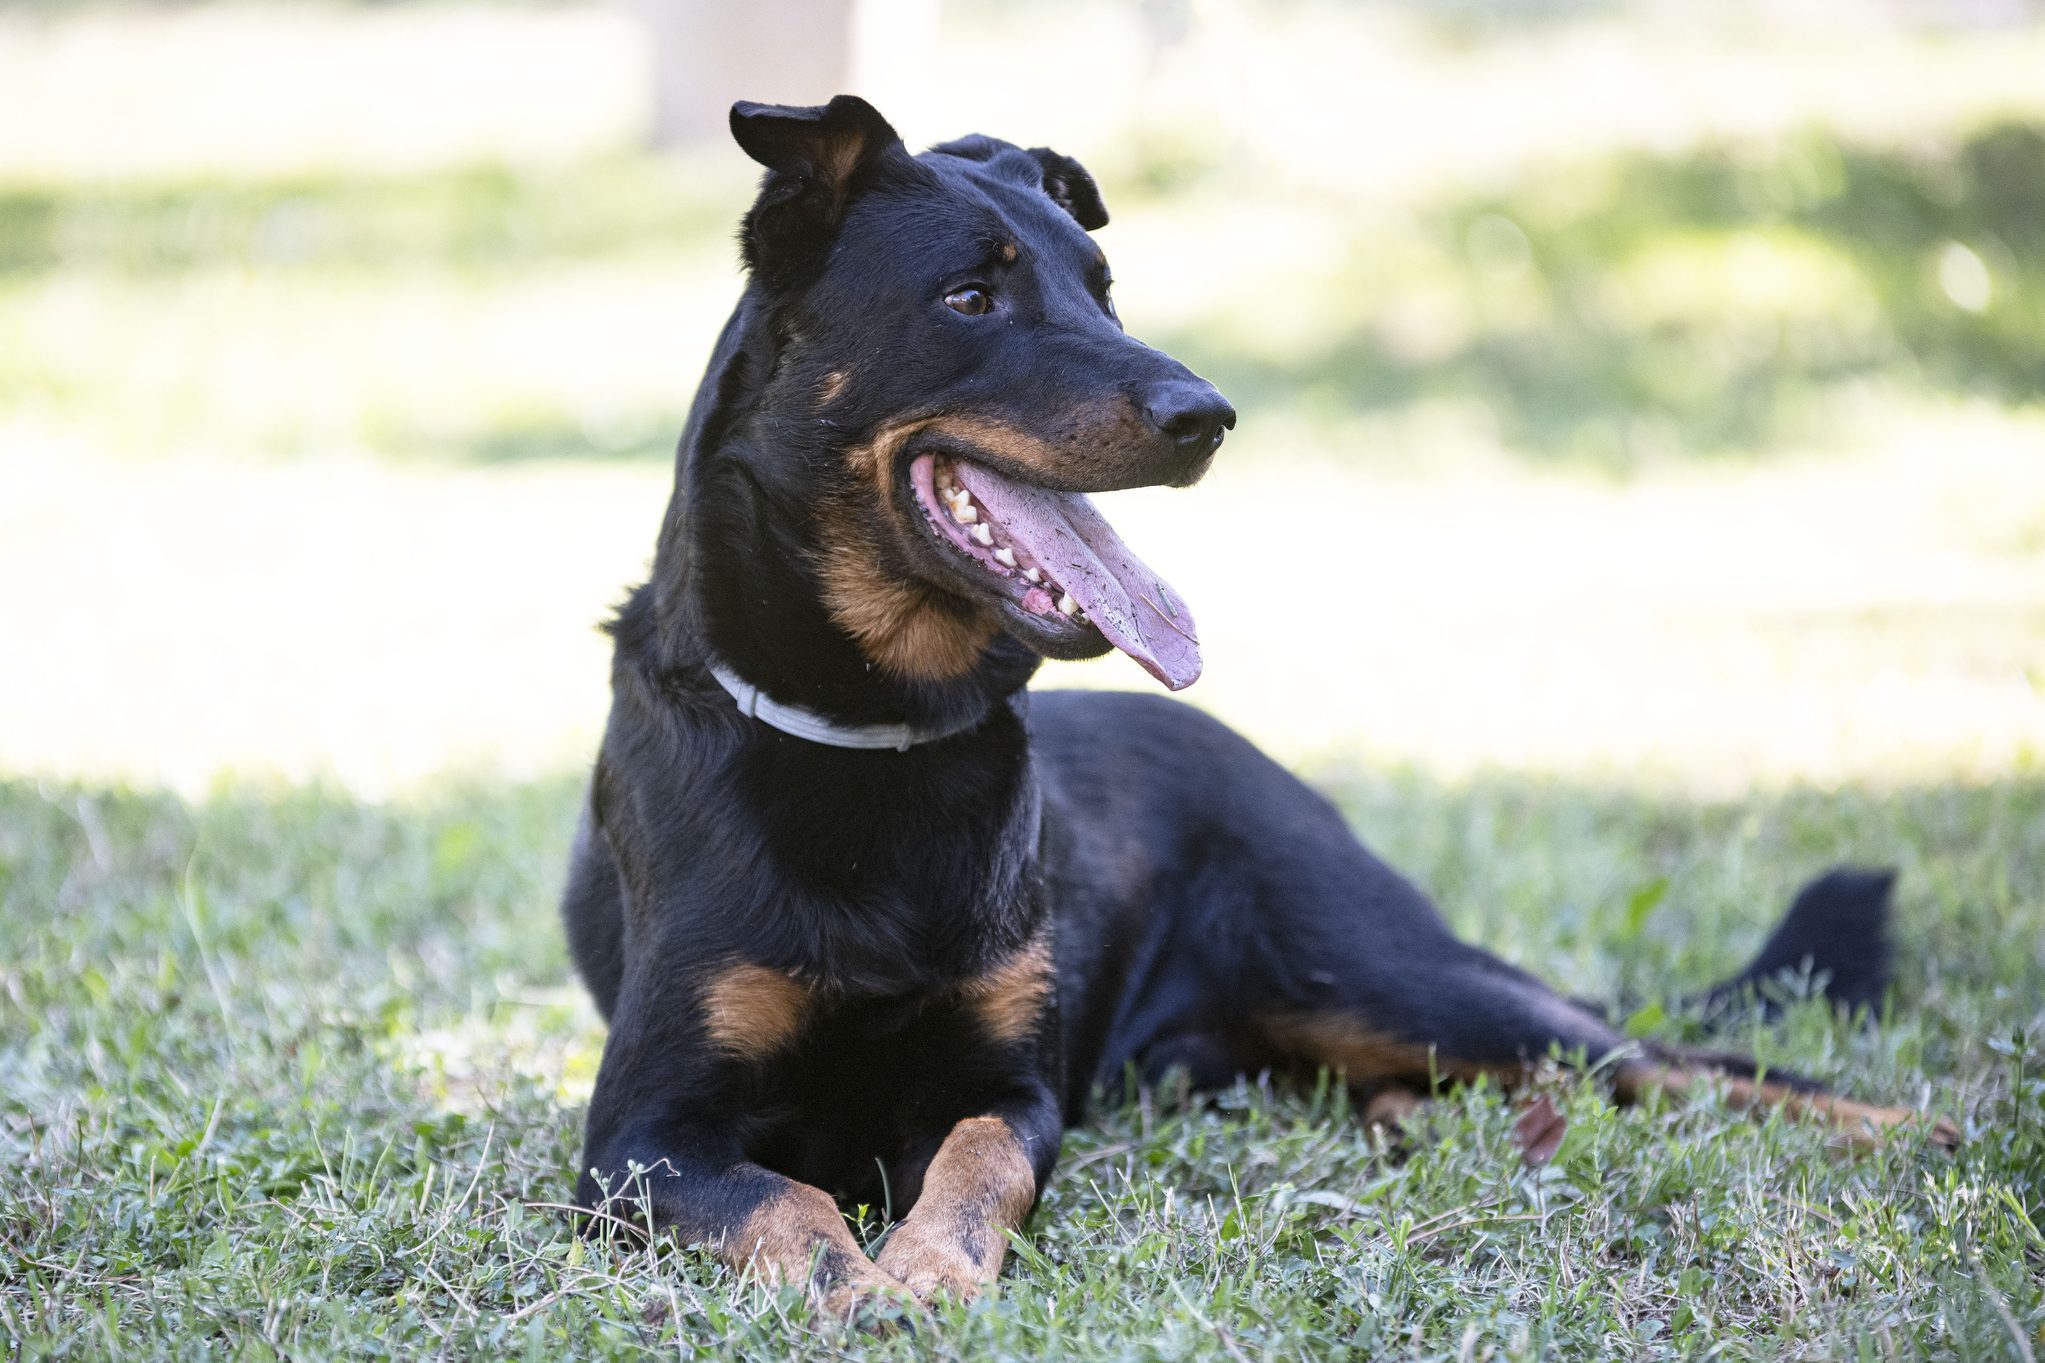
<point x="1837" y="931"/>
<point x="1193" y="895"/>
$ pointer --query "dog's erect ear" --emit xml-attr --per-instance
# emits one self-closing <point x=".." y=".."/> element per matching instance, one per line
<point x="1071" y="188"/>
<point x="816" y="156"/>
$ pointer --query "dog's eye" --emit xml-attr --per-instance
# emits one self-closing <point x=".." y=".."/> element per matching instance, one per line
<point x="970" y="300"/>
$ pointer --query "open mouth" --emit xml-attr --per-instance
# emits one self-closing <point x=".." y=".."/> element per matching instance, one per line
<point x="1055" y="561"/>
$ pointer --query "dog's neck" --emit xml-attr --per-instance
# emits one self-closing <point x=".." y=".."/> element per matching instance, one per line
<point x="751" y="625"/>
<point x="735" y="577"/>
<point x="736" y="591"/>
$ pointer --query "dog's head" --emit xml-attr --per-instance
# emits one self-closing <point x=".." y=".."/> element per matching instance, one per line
<point x="944" y="379"/>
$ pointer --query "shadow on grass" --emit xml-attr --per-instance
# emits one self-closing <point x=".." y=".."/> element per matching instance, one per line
<point x="334" y="894"/>
<point x="291" y="1065"/>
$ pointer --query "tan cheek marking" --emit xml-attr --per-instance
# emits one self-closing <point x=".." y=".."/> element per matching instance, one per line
<point x="979" y="1185"/>
<point x="1009" y="999"/>
<point x="875" y="460"/>
<point x="906" y="629"/>
<point x="751" y="1011"/>
<point x="1002" y="441"/>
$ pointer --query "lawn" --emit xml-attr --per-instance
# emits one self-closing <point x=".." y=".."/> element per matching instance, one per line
<point x="290" y="1075"/>
<point x="1629" y="519"/>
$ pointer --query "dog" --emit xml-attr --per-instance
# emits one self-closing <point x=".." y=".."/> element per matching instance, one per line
<point x="868" y="921"/>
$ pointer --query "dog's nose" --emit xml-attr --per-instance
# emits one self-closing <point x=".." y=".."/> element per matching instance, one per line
<point x="1192" y="415"/>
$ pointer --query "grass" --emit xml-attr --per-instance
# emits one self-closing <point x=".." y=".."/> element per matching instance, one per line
<point x="289" y="1075"/>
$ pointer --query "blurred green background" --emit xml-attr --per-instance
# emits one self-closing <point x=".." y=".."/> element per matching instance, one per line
<point x="1638" y="390"/>
<point x="1609" y="349"/>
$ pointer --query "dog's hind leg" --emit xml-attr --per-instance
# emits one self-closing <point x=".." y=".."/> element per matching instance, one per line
<point x="1492" y="1022"/>
<point x="1462" y="1014"/>
<point x="1678" y="1070"/>
<point x="1452" y="1013"/>
<point x="1343" y="964"/>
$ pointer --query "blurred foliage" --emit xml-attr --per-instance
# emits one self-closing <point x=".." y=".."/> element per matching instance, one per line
<point x="482" y="215"/>
<point x="1649" y="305"/>
<point x="1611" y="311"/>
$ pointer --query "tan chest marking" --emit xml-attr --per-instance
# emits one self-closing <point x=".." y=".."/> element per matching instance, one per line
<point x="1008" y="1000"/>
<point x="751" y="1011"/>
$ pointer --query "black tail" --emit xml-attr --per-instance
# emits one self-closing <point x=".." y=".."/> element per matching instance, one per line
<point x="1838" y="930"/>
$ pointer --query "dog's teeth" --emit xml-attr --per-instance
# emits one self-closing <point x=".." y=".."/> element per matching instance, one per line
<point x="963" y="513"/>
<point x="1005" y="556"/>
<point x="983" y="534"/>
<point x="1067" y="606"/>
<point x="1034" y="574"/>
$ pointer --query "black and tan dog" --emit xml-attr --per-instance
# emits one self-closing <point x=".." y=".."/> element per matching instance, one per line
<point x="870" y="922"/>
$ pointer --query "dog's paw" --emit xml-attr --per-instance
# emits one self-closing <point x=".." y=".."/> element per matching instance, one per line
<point x="870" y="1300"/>
<point x="934" y="1265"/>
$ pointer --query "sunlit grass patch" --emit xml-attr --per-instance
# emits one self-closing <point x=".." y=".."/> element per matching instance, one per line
<point x="1618" y="311"/>
<point x="1635" y="309"/>
<point x="587" y="359"/>
<point x="472" y="217"/>
<point x="1873" y="618"/>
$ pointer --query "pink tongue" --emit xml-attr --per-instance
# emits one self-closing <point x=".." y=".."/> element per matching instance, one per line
<point x="1127" y="602"/>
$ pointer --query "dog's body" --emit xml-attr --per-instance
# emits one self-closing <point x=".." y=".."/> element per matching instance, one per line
<point x="866" y="975"/>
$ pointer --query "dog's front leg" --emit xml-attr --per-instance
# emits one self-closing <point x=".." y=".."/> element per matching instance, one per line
<point x="980" y="1185"/>
<point x="665" y="1152"/>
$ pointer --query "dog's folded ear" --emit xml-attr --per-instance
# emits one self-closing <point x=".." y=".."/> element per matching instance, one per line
<point x="1071" y="188"/>
<point x="816" y="158"/>
<point x="1061" y="177"/>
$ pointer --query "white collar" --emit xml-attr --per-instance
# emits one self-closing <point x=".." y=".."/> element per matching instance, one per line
<point x="808" y="724"/>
